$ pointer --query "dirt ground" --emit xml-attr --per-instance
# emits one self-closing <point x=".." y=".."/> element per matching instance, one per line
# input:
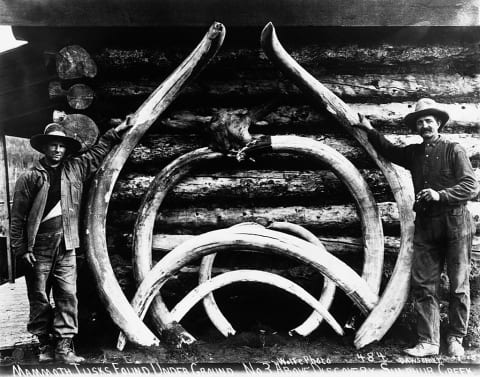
<point x="267" y="350"/>
<point x="255" y="342"/>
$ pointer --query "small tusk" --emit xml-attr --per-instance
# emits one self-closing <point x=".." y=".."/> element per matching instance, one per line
<point x="227" y="278"/>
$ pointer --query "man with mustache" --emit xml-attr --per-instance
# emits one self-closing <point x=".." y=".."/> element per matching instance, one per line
<point x="44" y="233"/>
<point x="444" y="181"/>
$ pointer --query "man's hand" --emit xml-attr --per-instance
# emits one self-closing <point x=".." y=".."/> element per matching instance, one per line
<point x="364" y="123"/>
<point x="428" y="195"/>
<point x="29" y="258"/>
<point x="127" y="124"/>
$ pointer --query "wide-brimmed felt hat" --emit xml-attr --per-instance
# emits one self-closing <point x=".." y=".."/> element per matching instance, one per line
<point x="424" y="107"/>
<point x="55" y="131"/>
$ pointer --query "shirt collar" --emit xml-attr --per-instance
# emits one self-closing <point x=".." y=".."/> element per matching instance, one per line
<point x="434" y="142"/>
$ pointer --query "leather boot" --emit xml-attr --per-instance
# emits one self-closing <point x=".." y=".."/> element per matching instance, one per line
<point x="455" y="348"/>
<point x="422" y="350"/>
<point x="46" y="350"/>
<point x="64" y="352"/>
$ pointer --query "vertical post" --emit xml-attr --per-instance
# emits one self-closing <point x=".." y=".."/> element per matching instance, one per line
<point x="4" y="175"/>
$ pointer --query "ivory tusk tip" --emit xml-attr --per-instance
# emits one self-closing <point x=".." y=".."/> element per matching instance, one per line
<point x="268" y="31"/>
<point x="217" y="29"/>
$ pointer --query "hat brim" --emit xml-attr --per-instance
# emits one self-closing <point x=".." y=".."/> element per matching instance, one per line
<point x="411" y="119"/>
<point x="39" y="141"/>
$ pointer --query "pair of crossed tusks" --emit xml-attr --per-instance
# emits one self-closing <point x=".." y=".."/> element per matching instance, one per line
<point x="128" y="317"/>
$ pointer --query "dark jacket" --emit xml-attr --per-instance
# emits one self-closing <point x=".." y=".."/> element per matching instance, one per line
<point x="441" y="165"/>
<point x="31" y="190"/>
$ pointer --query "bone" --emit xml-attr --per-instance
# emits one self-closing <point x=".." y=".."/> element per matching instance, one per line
<point x="110" y="292"/>
<point x="205" y="288"/>
<point x="396" y="292"/>
<point x="143" y="230"/>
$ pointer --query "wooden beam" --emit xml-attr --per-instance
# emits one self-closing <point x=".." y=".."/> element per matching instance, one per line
<point x="354" y="88"/>
<point x="162" y="148"/>
<point x="240" y="13"/>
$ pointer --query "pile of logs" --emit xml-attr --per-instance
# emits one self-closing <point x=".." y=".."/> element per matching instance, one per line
<point x="378" y="77"/>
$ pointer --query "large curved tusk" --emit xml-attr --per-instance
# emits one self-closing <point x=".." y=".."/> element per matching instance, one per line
<point x="396" y="292"/>
<point x="96" y="247"/>
<point x="143" y="230"/>
<point x="364" y="200"/>
<point x="256" y="239"/>
<point x="195" y="295"/>
<point x="328" y="290"/>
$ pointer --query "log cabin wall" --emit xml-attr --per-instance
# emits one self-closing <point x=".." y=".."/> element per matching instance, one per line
<point x="379" y="71"/>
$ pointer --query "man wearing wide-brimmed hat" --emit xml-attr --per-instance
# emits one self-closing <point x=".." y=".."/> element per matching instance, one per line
<point x="444" y="181"/>
<point x="44" y="233"/>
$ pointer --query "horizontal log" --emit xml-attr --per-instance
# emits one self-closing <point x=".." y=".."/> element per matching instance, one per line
<point x="339" y="217"/>
<point x="243" y="13"/>
<point x="373" y="87"/>
<point x="163" y="148"/>
<point x="244" y="185"/>
<point x="319" y="219"/>
<point x="163" y="243"/>
<point x="342" y="58"/>
<point x="387" y="118"/>
<point x="259" y="186"/>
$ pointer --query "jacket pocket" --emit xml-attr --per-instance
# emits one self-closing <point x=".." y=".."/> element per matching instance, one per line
<point x="458" y="224"/>
<point x="76" y="192"/>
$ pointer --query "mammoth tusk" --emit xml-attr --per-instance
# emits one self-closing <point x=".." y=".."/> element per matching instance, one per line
<point x="96" y="247"/>
<point x="230" y="277"/>
<point x="170" y="175"/>
<point x="143" y="230"/>
<point x="350" y="176"/>
<point x="254" y="238"/>
<point x="396" y="292"/>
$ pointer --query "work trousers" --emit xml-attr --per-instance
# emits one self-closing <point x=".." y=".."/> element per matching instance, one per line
<point x="446" y="237"/>
<point x="54" y="271"/>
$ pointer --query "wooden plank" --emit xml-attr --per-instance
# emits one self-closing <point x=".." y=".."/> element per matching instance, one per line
<point x="239" y="13"/>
